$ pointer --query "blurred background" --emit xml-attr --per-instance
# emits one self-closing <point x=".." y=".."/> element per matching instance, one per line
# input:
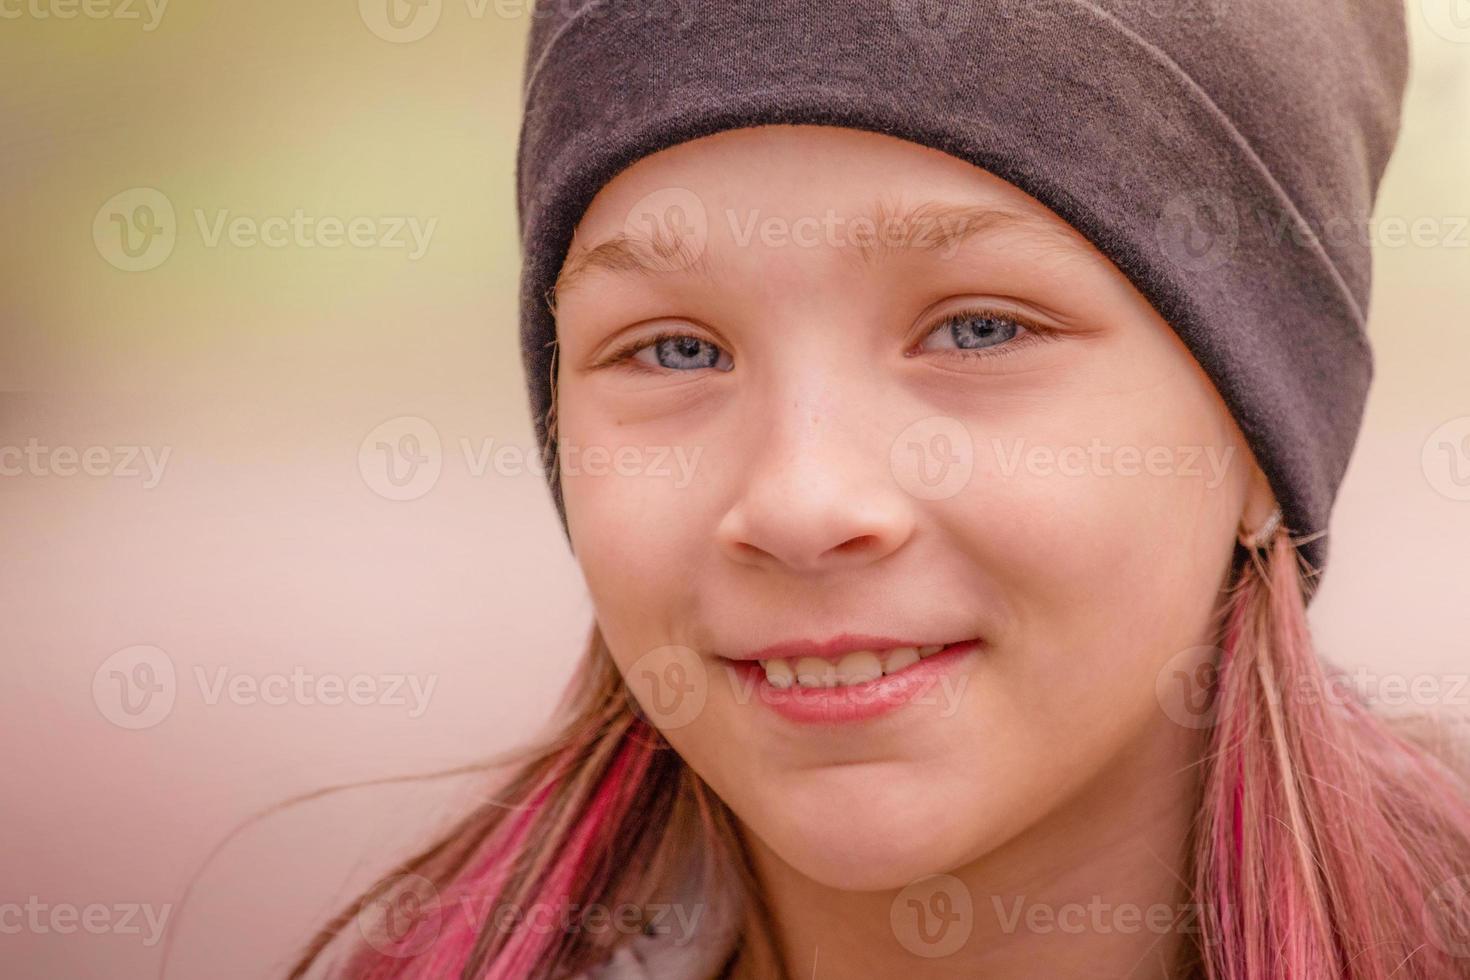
<point x="257" y="258"/>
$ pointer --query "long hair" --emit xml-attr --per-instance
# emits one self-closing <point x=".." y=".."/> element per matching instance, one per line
<point x="603" y="815"/>
<point x="1326" y="844"/>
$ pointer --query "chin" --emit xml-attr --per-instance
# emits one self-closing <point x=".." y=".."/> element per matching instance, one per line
<point x="836" y="862"/>
<point x="863" y="841"/>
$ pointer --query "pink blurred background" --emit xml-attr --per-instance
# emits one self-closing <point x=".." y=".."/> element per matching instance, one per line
<point x="267" y="541"/>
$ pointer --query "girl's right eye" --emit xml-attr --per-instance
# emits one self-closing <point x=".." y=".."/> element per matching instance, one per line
<point x="671" y="351"/>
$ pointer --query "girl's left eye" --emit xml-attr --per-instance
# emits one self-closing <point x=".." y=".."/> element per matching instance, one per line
<point x="669" y="350"/>
<point x="981" y="333"/>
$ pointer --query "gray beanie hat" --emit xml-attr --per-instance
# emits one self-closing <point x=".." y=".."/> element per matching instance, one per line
<point x="1224" y="154"/>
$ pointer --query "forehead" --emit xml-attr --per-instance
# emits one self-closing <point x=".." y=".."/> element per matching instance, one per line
<point x="871" y="195"/>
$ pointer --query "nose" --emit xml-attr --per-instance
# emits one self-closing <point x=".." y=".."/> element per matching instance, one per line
<point x="819" y="495"/>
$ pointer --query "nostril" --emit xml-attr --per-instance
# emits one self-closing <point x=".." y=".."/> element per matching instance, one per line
<point x="861" y="543"/>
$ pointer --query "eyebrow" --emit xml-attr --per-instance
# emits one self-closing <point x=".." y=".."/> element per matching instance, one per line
<point x="929" y="227"/>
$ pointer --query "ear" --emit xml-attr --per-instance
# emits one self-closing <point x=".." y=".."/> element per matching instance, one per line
<point x="1260" y="500"/>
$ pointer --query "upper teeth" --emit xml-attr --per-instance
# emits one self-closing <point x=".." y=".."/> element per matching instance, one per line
<point x="852" y="668"/>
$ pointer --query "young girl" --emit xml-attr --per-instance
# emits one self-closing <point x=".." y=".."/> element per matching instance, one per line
<point x="945" y="406"/>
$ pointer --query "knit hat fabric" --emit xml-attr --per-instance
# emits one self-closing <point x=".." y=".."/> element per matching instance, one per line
<point x="1224" y="154"/>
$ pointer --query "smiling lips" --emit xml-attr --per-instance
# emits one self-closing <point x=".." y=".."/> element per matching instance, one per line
<point x="856" y="667"/>
<point x="841" y="661"/>
<point x="851" y="678"/>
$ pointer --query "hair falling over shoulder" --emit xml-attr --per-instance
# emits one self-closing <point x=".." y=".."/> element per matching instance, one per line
<point x="601" y="814"/>
<point x="1329" y="844"/>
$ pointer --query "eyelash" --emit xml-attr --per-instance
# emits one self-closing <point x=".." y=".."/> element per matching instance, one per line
<point x="622" y="357"/>
<point x="1034" y="333"/>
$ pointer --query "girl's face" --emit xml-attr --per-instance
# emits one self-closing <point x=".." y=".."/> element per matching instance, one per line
<point x="957" y="422"/>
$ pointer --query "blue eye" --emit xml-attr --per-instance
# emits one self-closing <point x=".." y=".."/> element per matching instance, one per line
<point x="685" y="353"/>
<point x="673" y="352"/>
<point x="974" y="330"/>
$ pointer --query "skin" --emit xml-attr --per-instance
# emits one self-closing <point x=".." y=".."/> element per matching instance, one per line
<point x="1046" y="771"/>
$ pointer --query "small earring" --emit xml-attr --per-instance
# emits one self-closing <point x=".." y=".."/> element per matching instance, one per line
<point x="1261" y="537"/>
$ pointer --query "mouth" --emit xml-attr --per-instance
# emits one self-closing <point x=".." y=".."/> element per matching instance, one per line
<point x="834" y="682"/>
<point x="856" y="667"/>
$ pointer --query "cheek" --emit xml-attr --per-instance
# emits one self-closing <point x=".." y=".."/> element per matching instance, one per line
<point x="1131" y="477"/>
<point x="1107" y="525"/>
<point x="628" y="498"/>
<point x="628" y="564"/>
